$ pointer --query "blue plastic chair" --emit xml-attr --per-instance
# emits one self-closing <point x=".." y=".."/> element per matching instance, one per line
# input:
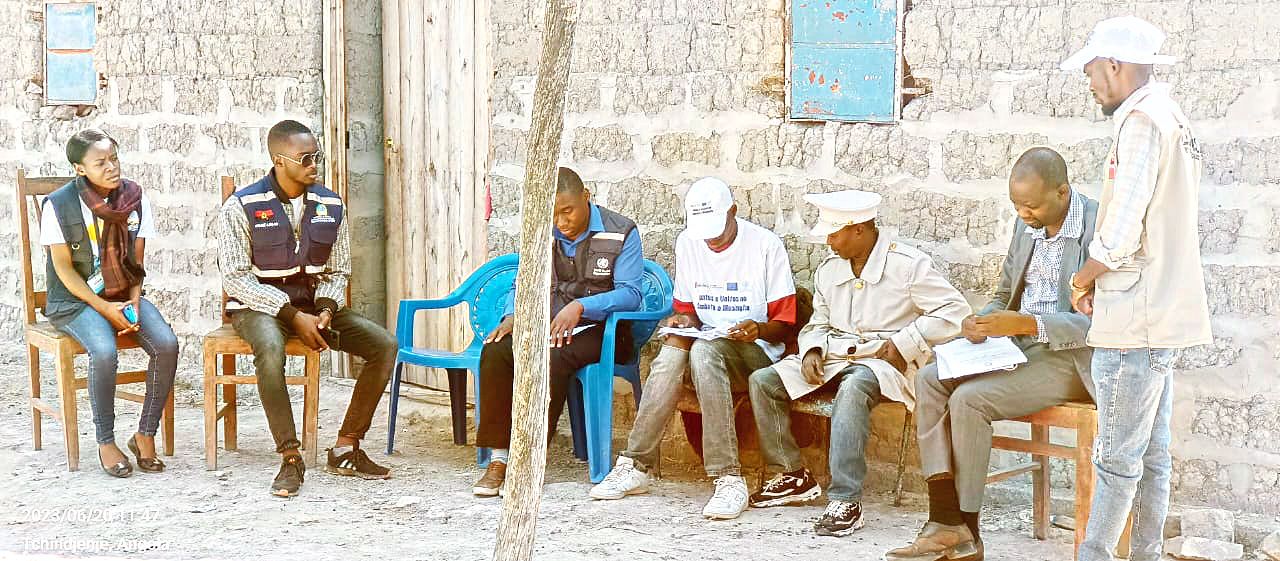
<point x="485" y="293"/>
<point x="591" y="399"/>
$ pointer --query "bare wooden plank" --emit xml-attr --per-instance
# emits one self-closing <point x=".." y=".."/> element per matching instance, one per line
<point x="1011" y="472"/>
<point x="392" y="180"/>
<point x="288" y="380"/>
<point x="516" y="528"/>
<point x="1019" y="445"/>
<point x="46" y="409"/>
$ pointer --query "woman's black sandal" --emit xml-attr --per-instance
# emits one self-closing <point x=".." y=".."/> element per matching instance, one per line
<point x="122" y="469"/>
<point x="152" y="465"/>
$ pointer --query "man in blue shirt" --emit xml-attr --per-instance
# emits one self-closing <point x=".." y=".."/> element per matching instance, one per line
<point x="596" y="269"/>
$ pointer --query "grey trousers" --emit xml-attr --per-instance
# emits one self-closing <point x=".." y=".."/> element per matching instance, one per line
<point x="718" y="368"/>
<point x="953" y="418"/>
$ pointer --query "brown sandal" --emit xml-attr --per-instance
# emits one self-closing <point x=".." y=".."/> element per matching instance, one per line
<point x="151" y="465"/>
<point x="121" y="469"/>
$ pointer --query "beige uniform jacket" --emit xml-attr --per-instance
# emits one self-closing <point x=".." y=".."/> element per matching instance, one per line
<point x="900" y="297"/>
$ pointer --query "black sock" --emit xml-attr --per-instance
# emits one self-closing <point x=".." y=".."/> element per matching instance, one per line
<point x="944" y="502"/>
<point x="971" y="520"/>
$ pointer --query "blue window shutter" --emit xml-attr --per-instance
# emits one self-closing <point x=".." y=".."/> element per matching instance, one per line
<point x="69" y="36"/>
<point x="844" y="60"/>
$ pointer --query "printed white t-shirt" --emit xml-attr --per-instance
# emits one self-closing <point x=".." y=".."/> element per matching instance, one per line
<point x="750" y="279"/>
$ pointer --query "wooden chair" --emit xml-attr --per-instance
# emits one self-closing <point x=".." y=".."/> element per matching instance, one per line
<point x="1083" y="418"/>
<point x="42" y="336"/>
<point x="225" y="344"/>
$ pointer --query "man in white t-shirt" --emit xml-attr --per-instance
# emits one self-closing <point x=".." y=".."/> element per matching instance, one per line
<point x="733" y="282"/>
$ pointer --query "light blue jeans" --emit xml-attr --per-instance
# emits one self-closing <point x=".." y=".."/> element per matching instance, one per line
<point x="1131" y="454"/>
<point x="98" y="337"/>
<point x="857" y="391"/>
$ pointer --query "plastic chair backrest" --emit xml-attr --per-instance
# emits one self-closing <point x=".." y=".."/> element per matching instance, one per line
<point x="656" y="291"/>
<point x="485" y="293"/>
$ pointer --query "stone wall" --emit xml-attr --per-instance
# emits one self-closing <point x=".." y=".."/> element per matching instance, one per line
<point x="191" y="90"/>
<point x="666" y="91"/>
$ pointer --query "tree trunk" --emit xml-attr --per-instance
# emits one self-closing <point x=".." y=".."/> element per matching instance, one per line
<point x="517" y="527"/>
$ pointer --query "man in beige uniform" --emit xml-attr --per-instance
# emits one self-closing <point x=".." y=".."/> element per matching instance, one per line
<point x="878" y="307"/>
<point x="1143" y="284"/>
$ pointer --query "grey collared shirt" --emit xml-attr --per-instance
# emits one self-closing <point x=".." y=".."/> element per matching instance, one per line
<point x="1044" y="273"/>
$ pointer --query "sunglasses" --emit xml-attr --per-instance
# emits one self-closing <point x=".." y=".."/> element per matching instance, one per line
<point x="306" y="160"/>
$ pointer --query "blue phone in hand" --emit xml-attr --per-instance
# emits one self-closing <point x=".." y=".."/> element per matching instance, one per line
<point x="130" y="314"/>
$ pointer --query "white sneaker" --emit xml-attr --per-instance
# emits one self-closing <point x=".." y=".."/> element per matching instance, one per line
<point x="624" y="479"/>
<point x="729" y="500"/>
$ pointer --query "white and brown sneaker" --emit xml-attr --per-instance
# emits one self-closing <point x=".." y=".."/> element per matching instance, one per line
<point x="491" y="483"/>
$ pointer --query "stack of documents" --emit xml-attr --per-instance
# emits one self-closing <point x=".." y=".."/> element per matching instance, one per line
<point x="961" y="358"/>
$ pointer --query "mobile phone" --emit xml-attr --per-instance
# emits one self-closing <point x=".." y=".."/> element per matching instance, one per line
<point x="330" y="336"/>
<point x="130" y="314"/>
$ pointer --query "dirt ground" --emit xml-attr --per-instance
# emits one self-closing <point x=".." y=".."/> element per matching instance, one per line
<point x="426" y="511"/>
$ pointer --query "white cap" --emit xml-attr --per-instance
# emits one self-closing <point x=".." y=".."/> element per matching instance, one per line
<point x="842" y="208"/>
<point x="706" y="208"/>
<point x="1126" y="39"/>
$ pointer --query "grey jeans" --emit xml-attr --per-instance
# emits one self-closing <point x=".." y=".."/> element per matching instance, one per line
<point x="953" y="417"/>
<point x="857" y="391"/>
<point x="719" y="368"/>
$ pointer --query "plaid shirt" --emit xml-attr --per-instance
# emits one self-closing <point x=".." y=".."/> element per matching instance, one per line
<point x="1137" y="162"/>
<point x="1040" y="289"/>
<point x="235" y="258"/>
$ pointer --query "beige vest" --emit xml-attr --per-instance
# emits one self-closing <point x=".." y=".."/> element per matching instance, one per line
<point x="1158" y="299"/>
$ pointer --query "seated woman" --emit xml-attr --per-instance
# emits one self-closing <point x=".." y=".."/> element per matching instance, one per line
<point x="95" y="229"/>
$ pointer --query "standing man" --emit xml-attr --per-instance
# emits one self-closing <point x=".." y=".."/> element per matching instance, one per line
<point x="1032" y="304"/>
<point x="1143" y="283"/>
<point x="285" y="256"/>
<point x="878" y="307"/>
<point x="732" y="276"/>
<point x="596" y="267"/>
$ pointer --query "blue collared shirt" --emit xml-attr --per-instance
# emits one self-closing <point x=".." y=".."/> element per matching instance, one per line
<point x="627" y="270"/>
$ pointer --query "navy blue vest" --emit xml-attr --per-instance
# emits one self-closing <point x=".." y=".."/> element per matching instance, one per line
<point x="279" y="258"/>
<point x="590" y="270"/>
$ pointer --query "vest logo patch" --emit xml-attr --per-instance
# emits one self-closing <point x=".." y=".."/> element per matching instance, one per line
<point x="325" y="219"/>
<point x="266" y="225"/>
<point x="322" y="210"/>
<point x="267" y="214"/>
<point x="604" y="266"/>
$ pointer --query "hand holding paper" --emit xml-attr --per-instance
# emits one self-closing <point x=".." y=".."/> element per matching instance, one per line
<point x="961" y="358"/>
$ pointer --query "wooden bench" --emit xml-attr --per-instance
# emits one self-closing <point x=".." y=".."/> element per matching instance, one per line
<point x="817" y="404"/>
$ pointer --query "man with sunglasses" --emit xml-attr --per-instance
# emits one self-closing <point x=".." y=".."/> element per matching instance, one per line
<point x="286" y="258"/>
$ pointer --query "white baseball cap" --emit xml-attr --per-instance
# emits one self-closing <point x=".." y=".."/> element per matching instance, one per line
<point x="1126" y="39"/>
<point x="842" y="208"/>
<point x="706" y="208"/>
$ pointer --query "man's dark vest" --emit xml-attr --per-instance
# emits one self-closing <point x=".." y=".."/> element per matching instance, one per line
<point x="65" y="204"/>
<point x="279" y="259"/>
<point x="590" y="270"/>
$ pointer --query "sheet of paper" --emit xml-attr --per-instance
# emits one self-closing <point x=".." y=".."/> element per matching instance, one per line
<point x="796" y="385"/>
<point x="960" y="358"/>
<point x="576" y="330"/>
<point x="704" y="334"/>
